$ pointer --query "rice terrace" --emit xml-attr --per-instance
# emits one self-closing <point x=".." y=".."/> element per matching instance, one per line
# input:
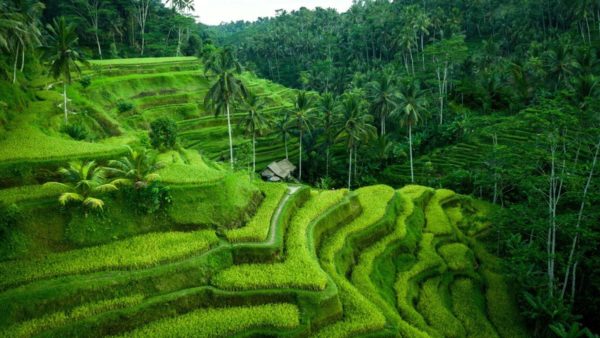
<point x="371" y="168"/>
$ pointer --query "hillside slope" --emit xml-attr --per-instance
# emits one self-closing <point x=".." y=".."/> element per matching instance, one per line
<point x="231" y="256"/>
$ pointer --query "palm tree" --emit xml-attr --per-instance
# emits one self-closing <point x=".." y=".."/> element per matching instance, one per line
<point x="254" y="123"/>
<point x="62" y="54"/>
<point x="19" y="30"/>
<point x="137" y="168"/>
<point x="226" y="90"/>
<point x="356" y="127"/>
<point x="181" y="6"/>
<point x="284" y="129"/>
<point x="85" y="181"/>
<point x="301" y="121"/>
<point x="411" y="105"/>
<point x="560" y="62"/>
<point x="381" y="94"/>
<point x="329" y="119"/>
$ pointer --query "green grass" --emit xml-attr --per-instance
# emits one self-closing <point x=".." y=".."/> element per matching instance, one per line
<point x="431" y="306"/>
<point x="437" y="221"/>
<point x="38" y="325"/>
<point x="458" y="257"/>
<point x="30" y="193"/>
<point x="469" y="307"/>
<point x="361" y="275"/>
<point x="257" y="229"/>
<point x="137" y="252"/>
<point x="30" y="145"/>
<point x="299" y="270"/>
<point x="141" y="61"/>
<point x="221" y="322"/>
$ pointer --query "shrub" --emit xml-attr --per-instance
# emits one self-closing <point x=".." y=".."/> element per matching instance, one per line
<point x="142" y="251"/>
<point x="151" y="198"/>
<point x="222" y="322"/>
<point x="85" y="81"/>
<point x="8" y="220"/>
<point x="124" y="107"/>
<point x="13" y="242"/>
<point x="76" y="131"/>
<point x="163" y="133"/>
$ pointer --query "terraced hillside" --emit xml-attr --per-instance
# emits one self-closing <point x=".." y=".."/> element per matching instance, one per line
<point x="374" y="262"/>
<point x="175" y="87"/>
<point x="231" y="256"/>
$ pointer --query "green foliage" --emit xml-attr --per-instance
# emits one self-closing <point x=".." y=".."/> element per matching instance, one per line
<point x="124" y="107"/>
<point x="163" y="133"/>
<point x="219" y="322"/>
<point x="85" y="81"/>
<point x="76" y="131"/>
<point x="151" y="198"/>
<point x="138" y="252"/>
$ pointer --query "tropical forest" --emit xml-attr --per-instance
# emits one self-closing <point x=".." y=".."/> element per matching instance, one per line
<point x="395" y="168"/>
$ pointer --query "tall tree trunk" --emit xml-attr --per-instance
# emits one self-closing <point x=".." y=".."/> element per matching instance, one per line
<point x="98" y="43"/>
<point x="22" y="59"/>
<point x="300" y="158"/>
<point x="412" y="61"/>
<point x="422" y="51"/>
<point x="230" y="136"/>
<point x="178" y="52"/>
<point x="285" y="142"/>
<point x="578" y="224"/>
<point x="15" y="64"/>
<point x="253" y="152"/>
<point x="143" y="42"/>
<point x="350" y="168"/>
<point x="65" y="102"/>
<point x="412" y="171"/>
<point x="327" y="161"/>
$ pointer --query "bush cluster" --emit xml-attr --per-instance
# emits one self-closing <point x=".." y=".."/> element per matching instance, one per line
<point x="163" y="133"/>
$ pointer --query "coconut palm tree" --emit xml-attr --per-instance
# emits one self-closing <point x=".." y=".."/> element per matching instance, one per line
<point x="227" y="89"/>
<point x="301" y="119"/>
<point x="181" y="6"/>
<point x="62" y="55"/>
<point x="381" y="94"/>
<point x="254" y="123"/>
<point x="84" y="182"/>
<point x="19" y="30"/>
<point x="284" y="129"/>
<point x="136" y="169"/>
<point x="356" y="127"/>
<point x="329" y="117"/>
<point x="411" y="105"/>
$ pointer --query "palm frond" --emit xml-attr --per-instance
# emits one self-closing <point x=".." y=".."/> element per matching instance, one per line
<point x="93" y="203"/>
<point x="67" y="197"/>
